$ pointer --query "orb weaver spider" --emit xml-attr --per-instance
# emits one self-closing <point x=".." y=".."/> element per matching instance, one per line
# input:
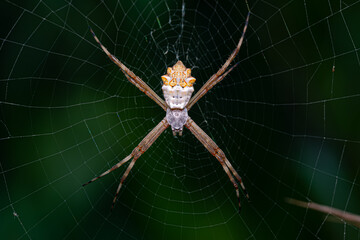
<point x="177" y="89"/>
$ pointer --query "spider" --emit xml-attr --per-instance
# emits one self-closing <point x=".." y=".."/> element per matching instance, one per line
<point x="177" y="89"/>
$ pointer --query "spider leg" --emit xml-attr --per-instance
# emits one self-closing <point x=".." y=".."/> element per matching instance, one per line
<point x="135" y="154"/>
<point x="138" y="82"/>
<point x="124" y="176"/>
<point x="140" y="149"/>
<point x="208" y="87"/>
<point x="217" y="77"/>
<point x="110" y="170"/>
<point x="211" y="146"/>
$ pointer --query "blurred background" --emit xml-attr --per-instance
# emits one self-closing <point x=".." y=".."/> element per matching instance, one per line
<point x="287" y="118"/>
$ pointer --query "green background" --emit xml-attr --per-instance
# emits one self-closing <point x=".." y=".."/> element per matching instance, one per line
<point x="287" y="118"/>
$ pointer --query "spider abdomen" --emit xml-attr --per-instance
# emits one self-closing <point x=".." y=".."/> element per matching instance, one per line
<point x="177" y="97"/>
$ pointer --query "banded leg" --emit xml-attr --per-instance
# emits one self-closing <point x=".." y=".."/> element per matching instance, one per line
<point x="217" y="77"/>
<point x="135" y="154"/>
<point x="138" y="82"/>
<point x="116" y="166"/>
<point x="211" y="146"/>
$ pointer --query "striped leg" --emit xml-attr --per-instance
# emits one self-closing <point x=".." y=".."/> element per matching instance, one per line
<point x="211" y="146"/>
<point x="217" y="77"/>
<point x="135" y="154"/>
<point x="132" y="77"/>
<point x="109" y="170"/>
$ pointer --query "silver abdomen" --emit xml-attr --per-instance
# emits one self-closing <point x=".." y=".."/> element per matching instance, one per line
<point x="177" y="97"/>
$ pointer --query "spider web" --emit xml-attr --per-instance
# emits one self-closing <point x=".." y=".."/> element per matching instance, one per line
<point x="287" y="118"/>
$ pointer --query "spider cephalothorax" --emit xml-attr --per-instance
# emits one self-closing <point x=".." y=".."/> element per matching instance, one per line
<point x="178" y="88"/>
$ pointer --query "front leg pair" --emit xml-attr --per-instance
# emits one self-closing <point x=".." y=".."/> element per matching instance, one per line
<point x="134" y="79"/>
